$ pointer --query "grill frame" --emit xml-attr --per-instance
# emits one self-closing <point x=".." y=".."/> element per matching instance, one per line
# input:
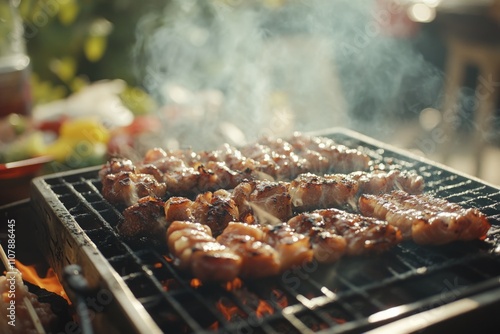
<point x="68" y="243"/>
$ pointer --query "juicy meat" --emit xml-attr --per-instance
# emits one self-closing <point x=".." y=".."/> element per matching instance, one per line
<point x="244" y="250"/>
<point x="127" y="187"/>
<point x="266" y="250"/>
<point x="294" y="249"/>
<point x="187" y="173"/>
<point x="378" y="182"/>
<point x="310" y="191"/>
<point x="178" y="208"/>
<point x="116" y="165"/>
<point x="335" y="232"/>
<point x="259" y="259"/>
<point x="328" y="156"/>
<point x="272" y="197"/>
<point x="280" y="199"/>
<point x="424" y="218"/>
<point x="215" y="210"/>
<point x="143" y="219"/>
<point x="196" y="250"/>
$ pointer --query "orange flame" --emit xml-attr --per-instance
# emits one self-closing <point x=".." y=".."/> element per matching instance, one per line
<point x="50" y="282"/>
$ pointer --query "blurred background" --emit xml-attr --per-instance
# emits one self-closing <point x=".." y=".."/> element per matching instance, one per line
<point x="118" y="76"/>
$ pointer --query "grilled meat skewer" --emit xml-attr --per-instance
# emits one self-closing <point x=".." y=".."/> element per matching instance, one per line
<point x="187" y="173"/>
<point x="194" y="249"/>
<point x="335" y="233"/>
<point x="425" y="219"/>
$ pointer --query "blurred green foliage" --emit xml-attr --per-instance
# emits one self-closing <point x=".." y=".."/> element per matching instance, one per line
<point x="75" y="42"/>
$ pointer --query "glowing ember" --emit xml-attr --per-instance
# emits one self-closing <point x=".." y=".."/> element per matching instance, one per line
<point x="214" y="326"/>
<point x="280" y="298"/>
<point x="170" y="284"/>
<point x="158" y="265"/>
<point x="263" y="309"/>
<point x="227" y="308"/>
<point x="234" y="284"/>
<point x="339" y="321"/>
<point x="50" y="282"/>
<point x="196" y="283"/>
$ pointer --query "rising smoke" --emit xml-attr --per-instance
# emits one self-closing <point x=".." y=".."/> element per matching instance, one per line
<point x="234" y="70"/>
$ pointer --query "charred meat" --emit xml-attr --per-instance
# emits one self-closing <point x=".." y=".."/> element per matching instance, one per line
<point x="424" y="218"/>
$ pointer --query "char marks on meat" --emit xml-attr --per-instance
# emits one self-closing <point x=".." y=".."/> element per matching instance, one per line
<point x="214" y="209"/>
<point x="424" y="218"/>
<point x="196" y="250"/>
<point x="230" y="212"/>
<point x="379" y="182"/>
<point x="335" y="232"/>
<point x="187" y="173"/>
<point x="272" y="197"/>
<point x="310" y="191"/>
<point x="248" y="241"/>
<point x="144" y="219"/>
<point x="123" y="183"/>
<point x="243" y="250"/>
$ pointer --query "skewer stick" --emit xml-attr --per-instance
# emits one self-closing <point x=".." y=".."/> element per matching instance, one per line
<point x="5" y="260"/>
<point x="31" y="310"/>
<point x="34" y="316"/>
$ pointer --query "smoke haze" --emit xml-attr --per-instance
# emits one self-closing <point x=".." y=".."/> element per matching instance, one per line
<point x="236" y="70"/>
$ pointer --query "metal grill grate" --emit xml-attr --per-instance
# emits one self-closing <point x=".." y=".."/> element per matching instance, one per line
<point x="351" y="295"/>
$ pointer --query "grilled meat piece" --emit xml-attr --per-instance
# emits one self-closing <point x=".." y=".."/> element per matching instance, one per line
<point x="266" y="250"/>
<point x="244" y="250"/>
<point x="310" y="191"/>
<point x="128" y="187"/>
<point x="188" y="173"/>
<point x="424" y="218"/>
<point x="194" y="249"/>
<point x="276" y="158"/>
<point x="272" y="197"/>
<point x="294" y="249"/>
<point x="178" y="208"/>
<point x="215" y="210"/>
<point x="143" y="219"/>
<point x="259" y="259"/>
<point x="360" y="234"/>
<point x="378" y="182"/>
<point x="327" y="156"/>
<point x="116" y="165"/>
<point x="280" y="199"/>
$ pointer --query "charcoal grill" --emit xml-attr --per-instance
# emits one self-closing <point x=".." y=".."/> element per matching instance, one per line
<point x="409" y="288"/>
